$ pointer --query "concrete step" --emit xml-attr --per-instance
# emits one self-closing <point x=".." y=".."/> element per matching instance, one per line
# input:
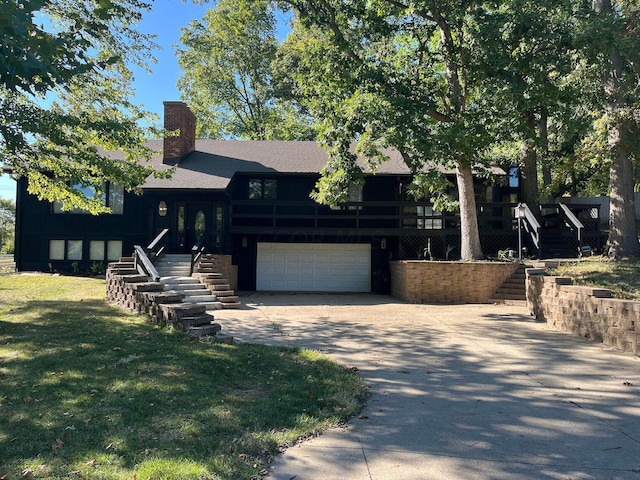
<point x="167" y="272"/>
<point x="220" y="287"/>
<point x="201" y="298"/>
<point x="511" y="289"/>
<point x="229" y="299"/>
<point x="509" y="296"/>
<point x="196" y="321"/>
<point x="224" y="293"/>
<point x="204" y="330"/>
<point x="506" y="301"/>
<point x="231" y="305"/>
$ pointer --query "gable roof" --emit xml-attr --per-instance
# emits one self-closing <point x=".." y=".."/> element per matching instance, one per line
<point x="213" y="163"/>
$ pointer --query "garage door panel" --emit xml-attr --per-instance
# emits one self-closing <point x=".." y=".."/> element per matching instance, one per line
<point x="313" y="267"/>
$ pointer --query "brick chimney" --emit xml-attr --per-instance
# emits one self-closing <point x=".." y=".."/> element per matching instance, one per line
<point x="177" y="116"/>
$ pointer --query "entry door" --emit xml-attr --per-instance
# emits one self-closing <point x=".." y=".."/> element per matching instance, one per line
<point x="204" y="217"/>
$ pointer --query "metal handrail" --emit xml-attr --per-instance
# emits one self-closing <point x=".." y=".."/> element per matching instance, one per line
<point x="573" y="220"/>
<point x="575" y="223"/>
<point x="198" y="249"/>
<point x="532" y="227"/>
<point x="144" y="265"/>
<point x="156" y="248"/>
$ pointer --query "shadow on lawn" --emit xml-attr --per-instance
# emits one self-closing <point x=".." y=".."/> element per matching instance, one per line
<point x="82" y="381"/>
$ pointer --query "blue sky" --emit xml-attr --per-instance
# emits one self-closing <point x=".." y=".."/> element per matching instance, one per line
<point x="165" y="20"/>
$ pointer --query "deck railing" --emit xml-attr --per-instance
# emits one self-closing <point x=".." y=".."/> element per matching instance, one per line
<point x="399" y="217"/>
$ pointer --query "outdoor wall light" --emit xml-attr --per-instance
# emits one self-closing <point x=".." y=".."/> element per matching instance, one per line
<point x="244" y="242"/>
<point x="383" y="244"/>
<point x="162" y="209"/>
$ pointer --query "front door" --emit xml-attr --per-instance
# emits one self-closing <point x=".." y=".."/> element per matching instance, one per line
<point x="201" y="218"/>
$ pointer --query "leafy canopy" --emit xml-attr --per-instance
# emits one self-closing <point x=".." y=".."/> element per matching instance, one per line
<point x="65" y="96"/>
<point x="228" y="77"/>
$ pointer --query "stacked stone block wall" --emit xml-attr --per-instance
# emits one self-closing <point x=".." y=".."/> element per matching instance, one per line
<point x="422" y="281"/>
<point x="131" y="290"/>
<point x="585" y="311"/>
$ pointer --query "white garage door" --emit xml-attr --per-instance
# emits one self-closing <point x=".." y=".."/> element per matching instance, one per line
<point x="314" y="267"/>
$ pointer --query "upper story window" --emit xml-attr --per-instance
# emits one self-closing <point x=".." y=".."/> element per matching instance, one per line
<point x="263" y="189"/>
<point x="355" y="196"/>
<point x="112" y="196"/>
<point x="422" y="217"/>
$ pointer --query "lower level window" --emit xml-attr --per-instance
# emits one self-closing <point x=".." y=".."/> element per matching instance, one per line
<point x="65" y="249"/>
<point x="99" y="248"/>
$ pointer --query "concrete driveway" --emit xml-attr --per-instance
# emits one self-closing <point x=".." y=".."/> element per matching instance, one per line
<point x="457" y="392"/>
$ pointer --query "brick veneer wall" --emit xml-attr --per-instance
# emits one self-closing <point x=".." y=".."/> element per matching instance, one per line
<point x="424" y="281"/>
<point x="586" y="311"/>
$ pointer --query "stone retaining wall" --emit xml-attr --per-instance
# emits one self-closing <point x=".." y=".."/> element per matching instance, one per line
<point x="585" y="311"/>
<point x="423" y="281"/>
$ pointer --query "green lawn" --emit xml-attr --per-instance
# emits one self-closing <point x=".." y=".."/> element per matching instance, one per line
<point x="621" y="276"/>
<point x="89" y="391"/>
<point x="6" y="263"/>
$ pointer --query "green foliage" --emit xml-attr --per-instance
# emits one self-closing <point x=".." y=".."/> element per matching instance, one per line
<point x="7" y="225"/>
<point x="387" y="74"/>
<point x="65" y="96"/>
<point x="228" y="80"/>
<point x="100" y="393"/>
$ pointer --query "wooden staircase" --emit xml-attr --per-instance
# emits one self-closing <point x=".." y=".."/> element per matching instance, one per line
<point x="513" y="289"/>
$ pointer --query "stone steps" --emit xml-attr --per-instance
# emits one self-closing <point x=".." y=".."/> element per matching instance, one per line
<point x="513" y="289"/>
<point x="216" y="283"/>
<point x="180" y="301"/>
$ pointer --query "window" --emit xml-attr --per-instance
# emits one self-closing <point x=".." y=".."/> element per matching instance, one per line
<point x="426" y="217"/>
<point x="96" y="250"/>
<point x="355" y="195"/>
<point x="263" y="189"/>
<point x="65" y="249"/>
<point x="56" y="249"/>
<point x="112" y="196"/>
<point x="114" y="249"/>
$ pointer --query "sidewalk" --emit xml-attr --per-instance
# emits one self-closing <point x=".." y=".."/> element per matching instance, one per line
<point x="457" y="392"/>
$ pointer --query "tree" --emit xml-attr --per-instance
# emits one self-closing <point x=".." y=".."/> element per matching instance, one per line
<point x="228" y="80"/>
<point x="392" y="74"/>
<point x="7" y="225"/>
<point x="526" y="50"/>
<point x="65" y="96"/>
<point x="616" y="51"/>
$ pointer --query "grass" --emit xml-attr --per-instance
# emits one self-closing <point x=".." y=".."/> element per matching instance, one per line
<point x="89" y="391"/>
<point x="6" y="263"/>
<point x="620" y="276"/>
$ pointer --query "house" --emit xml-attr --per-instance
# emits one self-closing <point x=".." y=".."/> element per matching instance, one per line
<point x="250" y="201"/>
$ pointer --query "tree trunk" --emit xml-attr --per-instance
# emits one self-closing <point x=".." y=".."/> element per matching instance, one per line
<point x="470" y="247"/>
<point x="529" y="162"/>
<point x="543" y="128"/>
<point x="623" y="235"/>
